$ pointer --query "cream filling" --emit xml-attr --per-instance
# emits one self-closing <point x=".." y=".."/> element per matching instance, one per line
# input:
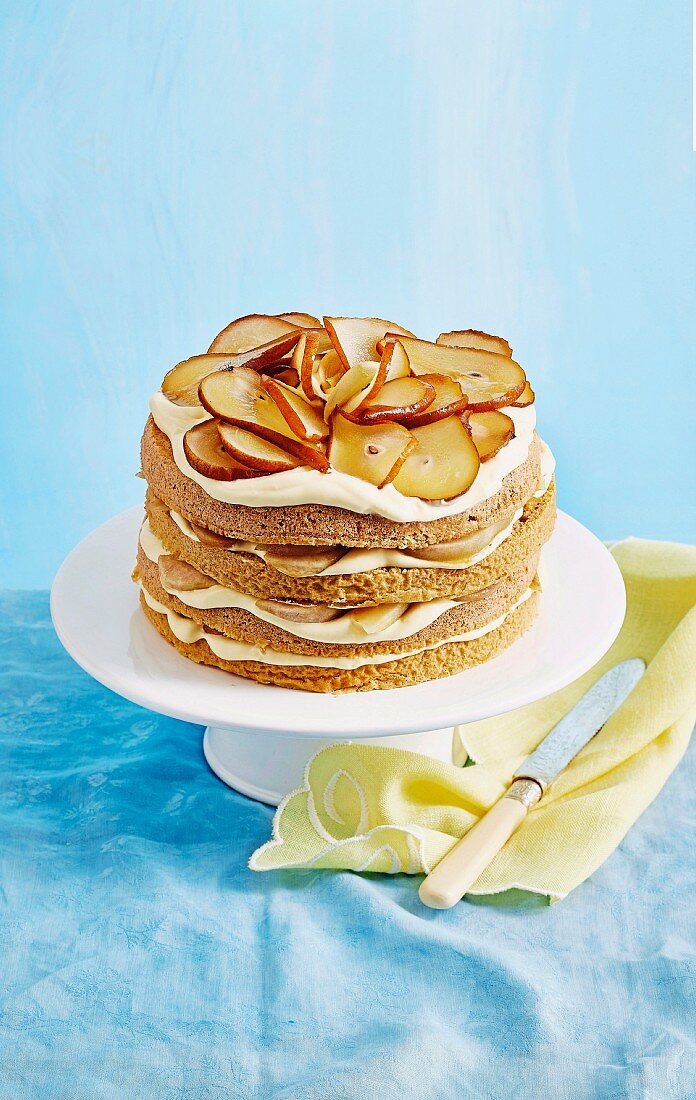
<point x="345" y="630"/>
<point x="336" y="489"/>
<point x="227" y="649"/>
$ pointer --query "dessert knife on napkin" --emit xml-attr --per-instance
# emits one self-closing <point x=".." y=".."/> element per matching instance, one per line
<point x="458" y="870"/>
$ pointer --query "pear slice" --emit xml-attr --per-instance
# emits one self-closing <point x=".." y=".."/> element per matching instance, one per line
<point x="302" y="561"/>
<point x="396" y="359"/>
<point x="448" y="401"/>
<point x="320" y="375"/>
<point x="302" y="320"/>
<point x="374" y="619"/>
<point x="304" y="419"/>
<point x="289" y="376"/>
<point x="239" y="398"/>
<point x="444" y="464"/>
<point x="472" y="338"/>
<point x="490" y="432"/>
<point x="489" y="380"/>
<point x="400" y="400"/>
<point x="355" y="338"/>
<point x="458" y="550"/>
<point x="206" y="454"/>
<point x="252" y="331"/>
<point x="182" y="381"/>
<point x="372" y="452"/>
<point x="175" y="573"/>
<point x="300" y="612"/>
<point x="359" y="381"/>
<point x="526" y="398"/>
<point x="254" y="451"/>
<point x="211" y="538"/>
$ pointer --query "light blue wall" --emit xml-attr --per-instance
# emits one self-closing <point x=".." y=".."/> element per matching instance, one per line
<point x="524" y="168"/>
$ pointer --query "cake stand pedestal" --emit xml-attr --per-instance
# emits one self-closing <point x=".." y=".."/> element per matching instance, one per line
<point x="259" y="738"/>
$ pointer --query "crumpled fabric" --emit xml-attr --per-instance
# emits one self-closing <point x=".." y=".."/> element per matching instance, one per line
<point x="371" y="808"/>
<point x="139" y="957"/>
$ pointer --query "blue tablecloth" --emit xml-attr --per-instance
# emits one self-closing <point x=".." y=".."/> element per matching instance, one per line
<point x="141" y="959"/>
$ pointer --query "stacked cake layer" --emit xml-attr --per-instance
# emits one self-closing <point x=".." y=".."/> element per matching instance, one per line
<point x="250" y="558"/>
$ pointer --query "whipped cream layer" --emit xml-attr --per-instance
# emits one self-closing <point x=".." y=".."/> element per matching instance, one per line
<point x="227" y="649"/>
<point x="345" y="630"/>
<point x="334" y="488"/>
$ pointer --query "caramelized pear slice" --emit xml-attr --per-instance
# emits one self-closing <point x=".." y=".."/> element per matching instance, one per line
<point x="396" y="359"/>
<point x="211" y="538"/>
<point x="355" y="338"/>
<point x="239" y="398"/>
<point x="302" y="320"/>
<point x="175" y="573"/>
<point x="372" y="452"/>
<point x="472" y="338"/>
<point x="302" y="561"/>
<point x="205" y="452"/>
<point x="304" y="419"/>
<point x="354" y="387"/>
<point x="300" y="612"/>
<point x="490" y="380"/>
<point x="254" y="451"/>
<point x="182" y="381"/>
<point x="444" y="464"/>
<point x="458" y="550"/>
<point x="374" y="619"/>
<point x="448" y="401"/>
<point x="252" y="331"/>
<point x="526" y="398"/>
<point x="321" y="375"/>
<point x="490" y="432"/>
<point x="400" y="400"/>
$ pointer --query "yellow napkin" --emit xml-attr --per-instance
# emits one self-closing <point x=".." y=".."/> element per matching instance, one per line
<point x="370" y="808"/>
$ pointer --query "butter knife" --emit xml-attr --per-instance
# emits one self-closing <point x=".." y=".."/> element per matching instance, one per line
<point x="458" y="870"/>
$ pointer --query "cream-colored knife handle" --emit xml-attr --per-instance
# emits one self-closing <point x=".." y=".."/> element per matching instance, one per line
<point x="463" y="864"/>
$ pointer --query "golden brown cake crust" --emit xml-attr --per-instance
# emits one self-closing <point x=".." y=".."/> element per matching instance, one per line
<point x="243" y="626"/>
<point x="249" y="573"/>
<point x="317" y="524"/>
<point x="429" y="665"/>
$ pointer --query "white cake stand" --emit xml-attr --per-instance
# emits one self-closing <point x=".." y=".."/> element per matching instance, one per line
<point x="258" y="739"/>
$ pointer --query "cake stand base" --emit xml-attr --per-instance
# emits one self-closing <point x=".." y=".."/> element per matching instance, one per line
<point x="266" y="767"/>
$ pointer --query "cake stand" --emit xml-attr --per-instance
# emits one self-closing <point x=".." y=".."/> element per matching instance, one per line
<point x="258" y="739"/>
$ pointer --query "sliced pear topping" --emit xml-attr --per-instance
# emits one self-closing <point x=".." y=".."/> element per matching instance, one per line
<point x="448" y="401"/>
<point x="460" y="549"/>
<point x="362" y="379"/>
<point x="302" y="320"/>
<point x="396" y="360"/>
<point x="490" y="432"/>
<point x="182" y="381"/>
<point x="374" y="619"/>
<point x="373" y="452"/>
<point x="472" y="338"/>
<point x="355" y="338"/>
<point x="304" y="419"/>
<point x="299" y="612"/>
<point x="302" y="561"/>
<point x="175" y="573"/>
<point x="239" y="398"/>
<point x="252" y="331"/>
<point x="526" y="398"/>
<point x="204" y="451"/>
<point x="320" y="377"/>
<point x="400" y="400"/>
<point x="254" y="451"/>
<point x="489" y="380"/>
<point x="443" y="465"/>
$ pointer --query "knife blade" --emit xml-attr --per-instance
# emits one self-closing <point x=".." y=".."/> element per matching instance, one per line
<point x="463" y="864"/>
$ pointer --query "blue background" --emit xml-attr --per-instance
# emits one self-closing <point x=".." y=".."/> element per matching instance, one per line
<point x="521" y="168"/>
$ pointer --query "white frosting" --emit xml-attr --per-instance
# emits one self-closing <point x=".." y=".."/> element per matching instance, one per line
<point x="548" y="468"/>
<point x="342" y="631"/>
<point x="227" y="649"/>
<point x="307" y="486"/>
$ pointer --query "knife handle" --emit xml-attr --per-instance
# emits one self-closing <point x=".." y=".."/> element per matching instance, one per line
<point x="458" y="870"/>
